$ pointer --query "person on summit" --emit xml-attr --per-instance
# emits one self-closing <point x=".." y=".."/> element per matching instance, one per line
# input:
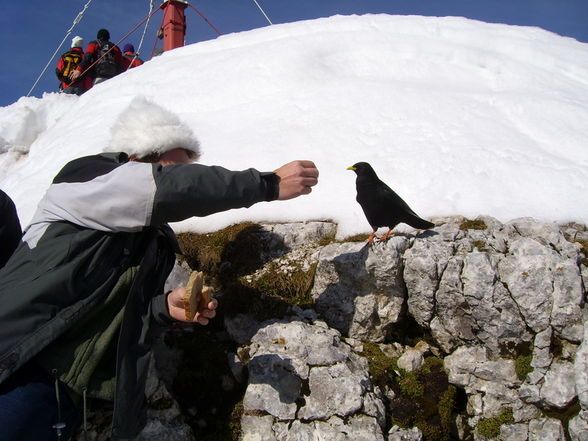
<point x="102" y="58"/>
<point x="66" y="64"/>
<point x="82" y="295"/>
<point x="130" y="57"/>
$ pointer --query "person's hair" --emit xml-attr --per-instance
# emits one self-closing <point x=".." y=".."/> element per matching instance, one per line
<point x="151" y="158"/>
<point x="103" y="34"/>
<point x="155" y="157"/>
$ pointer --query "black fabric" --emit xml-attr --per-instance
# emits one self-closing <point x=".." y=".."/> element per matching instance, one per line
<point x="106" y="65"/>
<point x="272" y="184"/>
<point x="188" y="190"/>
<point x="90" y="167"/>
<point x="10" y="231"/>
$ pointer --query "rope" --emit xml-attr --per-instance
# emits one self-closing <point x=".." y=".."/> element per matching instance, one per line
<point x="75" y="22"/>
<point x="142" y="36"/>
<point x="205" y="19"/>
<point x="263" y="12"/>
<point x="117" y="43"/>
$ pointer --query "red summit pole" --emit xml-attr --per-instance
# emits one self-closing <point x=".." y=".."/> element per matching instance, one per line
<point x="174" y="24"/>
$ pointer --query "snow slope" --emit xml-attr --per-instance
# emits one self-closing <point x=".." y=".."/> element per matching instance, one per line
<point x="458" y="116"/>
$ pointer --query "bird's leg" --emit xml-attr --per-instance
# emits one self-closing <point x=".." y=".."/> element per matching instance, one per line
<point x="372" y="237"/>
<point x="387" y="235"/>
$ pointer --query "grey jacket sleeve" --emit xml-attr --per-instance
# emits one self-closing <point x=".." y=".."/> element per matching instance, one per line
<point x="187" y="190"/>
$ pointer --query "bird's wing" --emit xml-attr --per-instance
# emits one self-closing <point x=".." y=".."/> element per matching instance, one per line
<point x="389" y="196"/>
<point x="404" y="213"/>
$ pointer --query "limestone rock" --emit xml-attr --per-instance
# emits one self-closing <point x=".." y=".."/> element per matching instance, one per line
<point x="258" y="428"/>
<point x="398" y="434"/>
<point x="546" y="429"/>
<point x="581" y="371"/>
<point x="411" y="360"/>
<point x="334" y="390"/>
<point x="578" y="427"/>
<point x="514" y="432"/>
<point x="297" y="234"/>
<point x="306" y="375"/>
<point x="558" y="389"/>
<point x="359" y="289"/>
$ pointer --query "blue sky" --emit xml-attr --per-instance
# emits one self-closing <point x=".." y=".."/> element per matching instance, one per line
<point x="33" y="32"/>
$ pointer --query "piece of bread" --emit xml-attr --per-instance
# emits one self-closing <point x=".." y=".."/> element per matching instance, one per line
<point x="205" y="297"/>
<point x="193" y="294"/>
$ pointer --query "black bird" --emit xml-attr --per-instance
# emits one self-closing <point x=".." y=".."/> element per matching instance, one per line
<point x="381" y="205"/>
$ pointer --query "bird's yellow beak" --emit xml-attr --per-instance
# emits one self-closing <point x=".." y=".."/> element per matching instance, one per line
<point x="350" y="168"/>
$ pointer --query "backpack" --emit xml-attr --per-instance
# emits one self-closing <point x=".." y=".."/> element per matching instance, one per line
<point x="70" y="62"/>
<point x="106" y="66"/>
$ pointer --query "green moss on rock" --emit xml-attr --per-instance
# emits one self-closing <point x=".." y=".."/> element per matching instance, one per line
<point x="228" y="255"/>
<point x="363" y="237"/>
<point x="237" y="244"/>
<point x="490" y="427"/>
<point x="381" y="367"/>
<point x="523" y="366"/>
<point x="425" y="399"/>
<point x="446" y="408"/>
<point x="411" y="386"/>
<point x="292" y="285"/>
<point x="476" y="224"/>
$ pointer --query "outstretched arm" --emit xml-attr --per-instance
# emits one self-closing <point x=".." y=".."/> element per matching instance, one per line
<point x="187" y="190"/>
<point x="99" y="193"/>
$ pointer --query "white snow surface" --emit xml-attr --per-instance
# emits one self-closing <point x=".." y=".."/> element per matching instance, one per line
<point x="457" y="116"/>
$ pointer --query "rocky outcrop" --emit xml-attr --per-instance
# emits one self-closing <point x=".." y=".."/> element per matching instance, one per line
<point x="500" y="306"/>
<point x="305" y="381"/>
<point x="504" y="304"/>
<point x="360" y="291"/>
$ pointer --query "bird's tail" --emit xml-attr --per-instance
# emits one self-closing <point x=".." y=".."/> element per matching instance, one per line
<point x="417" y="222"/>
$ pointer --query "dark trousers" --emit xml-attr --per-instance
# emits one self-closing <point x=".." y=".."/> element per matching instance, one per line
<point x="29" y="411"/>
<point x="72" y="90"/>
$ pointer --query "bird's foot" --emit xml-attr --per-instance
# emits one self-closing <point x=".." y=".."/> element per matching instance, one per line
<point x="386" y="236"/>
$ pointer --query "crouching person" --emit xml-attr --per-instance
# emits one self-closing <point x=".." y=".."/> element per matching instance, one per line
<point x="83" y="294"/>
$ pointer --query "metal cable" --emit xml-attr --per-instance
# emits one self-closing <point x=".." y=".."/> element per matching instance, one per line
<point x="142" y="36"/>
<point x="75" y="22"/>
<point x="263" y="12"/>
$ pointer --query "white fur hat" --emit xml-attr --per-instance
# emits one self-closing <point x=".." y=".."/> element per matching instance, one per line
<point x="144" y="128"/>
<point x="77" y="41"/>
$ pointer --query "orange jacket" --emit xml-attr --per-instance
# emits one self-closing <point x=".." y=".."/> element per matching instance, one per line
<point x="62" y="70"/>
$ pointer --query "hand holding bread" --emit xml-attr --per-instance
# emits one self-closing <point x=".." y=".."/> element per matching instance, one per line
<point x="194" y="303"/>
<point x="197" y="295"/>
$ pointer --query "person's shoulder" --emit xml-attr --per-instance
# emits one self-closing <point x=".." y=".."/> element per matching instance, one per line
<point x="92" y="45"/>
<point x="5" y="199"/>
<point x="87" y="168"/>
